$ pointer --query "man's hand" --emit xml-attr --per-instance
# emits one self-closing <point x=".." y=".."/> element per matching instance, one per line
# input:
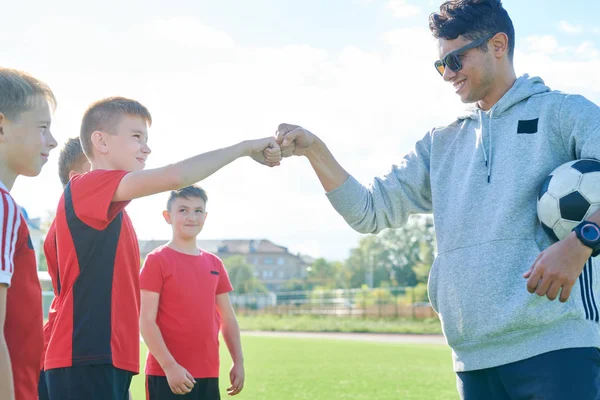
<point x="264" y="151"/>
<point x="294" y="140"/>
<point x="558" y="267"/>
<point x="236" y="377"/>
<point x="180" y="380"/>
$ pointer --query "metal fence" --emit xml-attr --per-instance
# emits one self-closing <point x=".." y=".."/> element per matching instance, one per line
<point x="397" y="302"/>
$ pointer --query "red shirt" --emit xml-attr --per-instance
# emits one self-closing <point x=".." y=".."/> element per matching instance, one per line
<point x="187" y="311"/>
<point x="97" y="310"/>
<point x="23" y="324"/>
<point x="52" y="263"/>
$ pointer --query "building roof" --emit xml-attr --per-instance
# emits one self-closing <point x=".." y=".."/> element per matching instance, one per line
<point x="234" y="246"/>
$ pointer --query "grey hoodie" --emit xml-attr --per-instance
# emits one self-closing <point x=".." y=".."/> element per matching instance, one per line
<point x="480" y="177"/>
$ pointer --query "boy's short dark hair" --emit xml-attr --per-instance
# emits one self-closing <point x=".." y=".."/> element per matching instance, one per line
<point x="18" y="91"/>
<point x="104" y="115"/>
<point x="473" y="19"/>
<point x="186" y="193"/>
<point x="70" y="156"/>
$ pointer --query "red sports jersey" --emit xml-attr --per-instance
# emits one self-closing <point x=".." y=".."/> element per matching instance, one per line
<point x="97" y="314"/>
<point x="23" y="324"/>
<point x="52" y="263"/>
<point x="187" y="312"/>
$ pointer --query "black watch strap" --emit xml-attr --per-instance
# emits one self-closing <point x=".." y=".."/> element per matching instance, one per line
<point x="589" y="234"/>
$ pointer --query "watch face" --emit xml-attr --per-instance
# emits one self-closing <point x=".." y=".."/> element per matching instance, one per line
<point x="590" y="232"/>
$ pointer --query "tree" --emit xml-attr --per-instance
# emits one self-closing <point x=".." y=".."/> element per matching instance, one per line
<point x="242" y="276"/>
<point x="398" y="257"/>
<point x="411" y="250"/>
<point x="327" y="275"/>
<point x="368" y="263"/>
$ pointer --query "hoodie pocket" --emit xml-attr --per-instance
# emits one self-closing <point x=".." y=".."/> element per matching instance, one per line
<point x="479" y="292"/>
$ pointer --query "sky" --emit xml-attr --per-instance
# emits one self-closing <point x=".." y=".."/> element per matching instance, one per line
<point x="357" y="73"/>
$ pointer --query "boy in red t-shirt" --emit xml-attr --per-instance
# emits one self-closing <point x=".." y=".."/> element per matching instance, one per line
<point x="25" y="143"/>
<point x="71" y="162"/>
<point x="185" y="300"/>
<point x="93" y="350"/>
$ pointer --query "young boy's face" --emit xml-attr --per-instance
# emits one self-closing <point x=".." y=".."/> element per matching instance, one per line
<point x="128" y="147"/>
<point x="186" y="217"/>
<point x="28" y="139"/>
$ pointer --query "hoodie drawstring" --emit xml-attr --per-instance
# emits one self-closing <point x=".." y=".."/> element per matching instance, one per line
<point x="489" y="174"/>
<point x="488" y="162"/>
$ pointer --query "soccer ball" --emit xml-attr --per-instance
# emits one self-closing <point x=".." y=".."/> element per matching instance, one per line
<point x="569" y="195"/>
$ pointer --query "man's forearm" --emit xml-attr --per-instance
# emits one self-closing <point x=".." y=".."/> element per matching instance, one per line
<point x="331" y="174"/>
<point x="7" y="391"/>
<point x="231" y="335"/>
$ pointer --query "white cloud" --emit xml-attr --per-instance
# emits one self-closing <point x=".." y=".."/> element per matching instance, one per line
<point x="588" y="50"/>
<point x="546" y="44"/>
<point x="565" y="26"/>
<point x="183" y="31"/>
<point x="205" y="92"/>
<point x="567" y="68"/>
<point x="402" y="9"/>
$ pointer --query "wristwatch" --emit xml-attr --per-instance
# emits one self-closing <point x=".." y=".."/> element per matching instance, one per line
<point x="589" y="234"/>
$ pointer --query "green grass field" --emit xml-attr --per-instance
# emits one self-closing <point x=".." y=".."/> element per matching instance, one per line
<point x="308" y="323"/>
<point x="290" y="368"/>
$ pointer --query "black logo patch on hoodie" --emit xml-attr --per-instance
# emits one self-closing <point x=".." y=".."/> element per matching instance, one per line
<point x="528" y="126"/>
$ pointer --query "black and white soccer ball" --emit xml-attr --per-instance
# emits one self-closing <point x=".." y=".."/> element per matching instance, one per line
<point x="569" y="195"/>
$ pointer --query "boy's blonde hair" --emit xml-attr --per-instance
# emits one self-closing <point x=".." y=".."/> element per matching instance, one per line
<point x="71" y="156"/>
<point x="18" y="92"/>
<point x="104" y="115"/>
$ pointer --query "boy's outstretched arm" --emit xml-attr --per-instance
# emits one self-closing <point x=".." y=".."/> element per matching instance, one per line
<point x="7" y="390"/>
<point x="180" y="380"/>
<point x="187" y="172"/>
<point x="231" y="334"/>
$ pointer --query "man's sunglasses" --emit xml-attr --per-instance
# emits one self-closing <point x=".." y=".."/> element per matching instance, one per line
<point x="452" y="59"/>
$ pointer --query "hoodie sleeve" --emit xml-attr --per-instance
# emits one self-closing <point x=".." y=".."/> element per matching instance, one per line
<point x="390" y="199"/>
<point x="580" y="127"/>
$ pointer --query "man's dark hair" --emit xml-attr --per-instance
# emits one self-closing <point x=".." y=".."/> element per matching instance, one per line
<point x="186" y="193"/>
<point x="473" y="19"/>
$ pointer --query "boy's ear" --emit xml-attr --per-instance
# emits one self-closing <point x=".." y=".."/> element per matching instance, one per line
<point x="99" y="142"/>
<point x="72" y="174"/>
<point x="167" y="216"/>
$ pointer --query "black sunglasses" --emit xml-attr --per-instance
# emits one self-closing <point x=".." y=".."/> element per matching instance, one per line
<point x="452" y="59"/>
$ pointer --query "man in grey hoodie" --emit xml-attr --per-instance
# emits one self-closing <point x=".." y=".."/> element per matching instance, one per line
<point x="497" y="272"/>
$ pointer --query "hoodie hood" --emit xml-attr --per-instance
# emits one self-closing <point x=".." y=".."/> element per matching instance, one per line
<point x="523" y="88"/>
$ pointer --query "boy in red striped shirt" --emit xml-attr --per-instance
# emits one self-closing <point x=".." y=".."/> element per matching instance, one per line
<point x="25" y="143"/>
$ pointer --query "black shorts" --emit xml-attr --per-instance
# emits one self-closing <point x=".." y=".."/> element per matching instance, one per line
<point x="42" y="388"/>
<point x="157" y="388"/>
<point x="88" y="382"/>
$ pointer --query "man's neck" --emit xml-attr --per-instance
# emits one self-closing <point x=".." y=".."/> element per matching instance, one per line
<point x="502" y="85"/>
<point x="186" y="246"/>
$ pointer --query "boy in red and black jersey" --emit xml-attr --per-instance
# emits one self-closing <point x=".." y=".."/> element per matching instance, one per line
<point x="93" y="350"/>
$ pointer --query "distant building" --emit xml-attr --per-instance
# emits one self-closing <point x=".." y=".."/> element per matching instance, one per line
<point x="273" y="264"/>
